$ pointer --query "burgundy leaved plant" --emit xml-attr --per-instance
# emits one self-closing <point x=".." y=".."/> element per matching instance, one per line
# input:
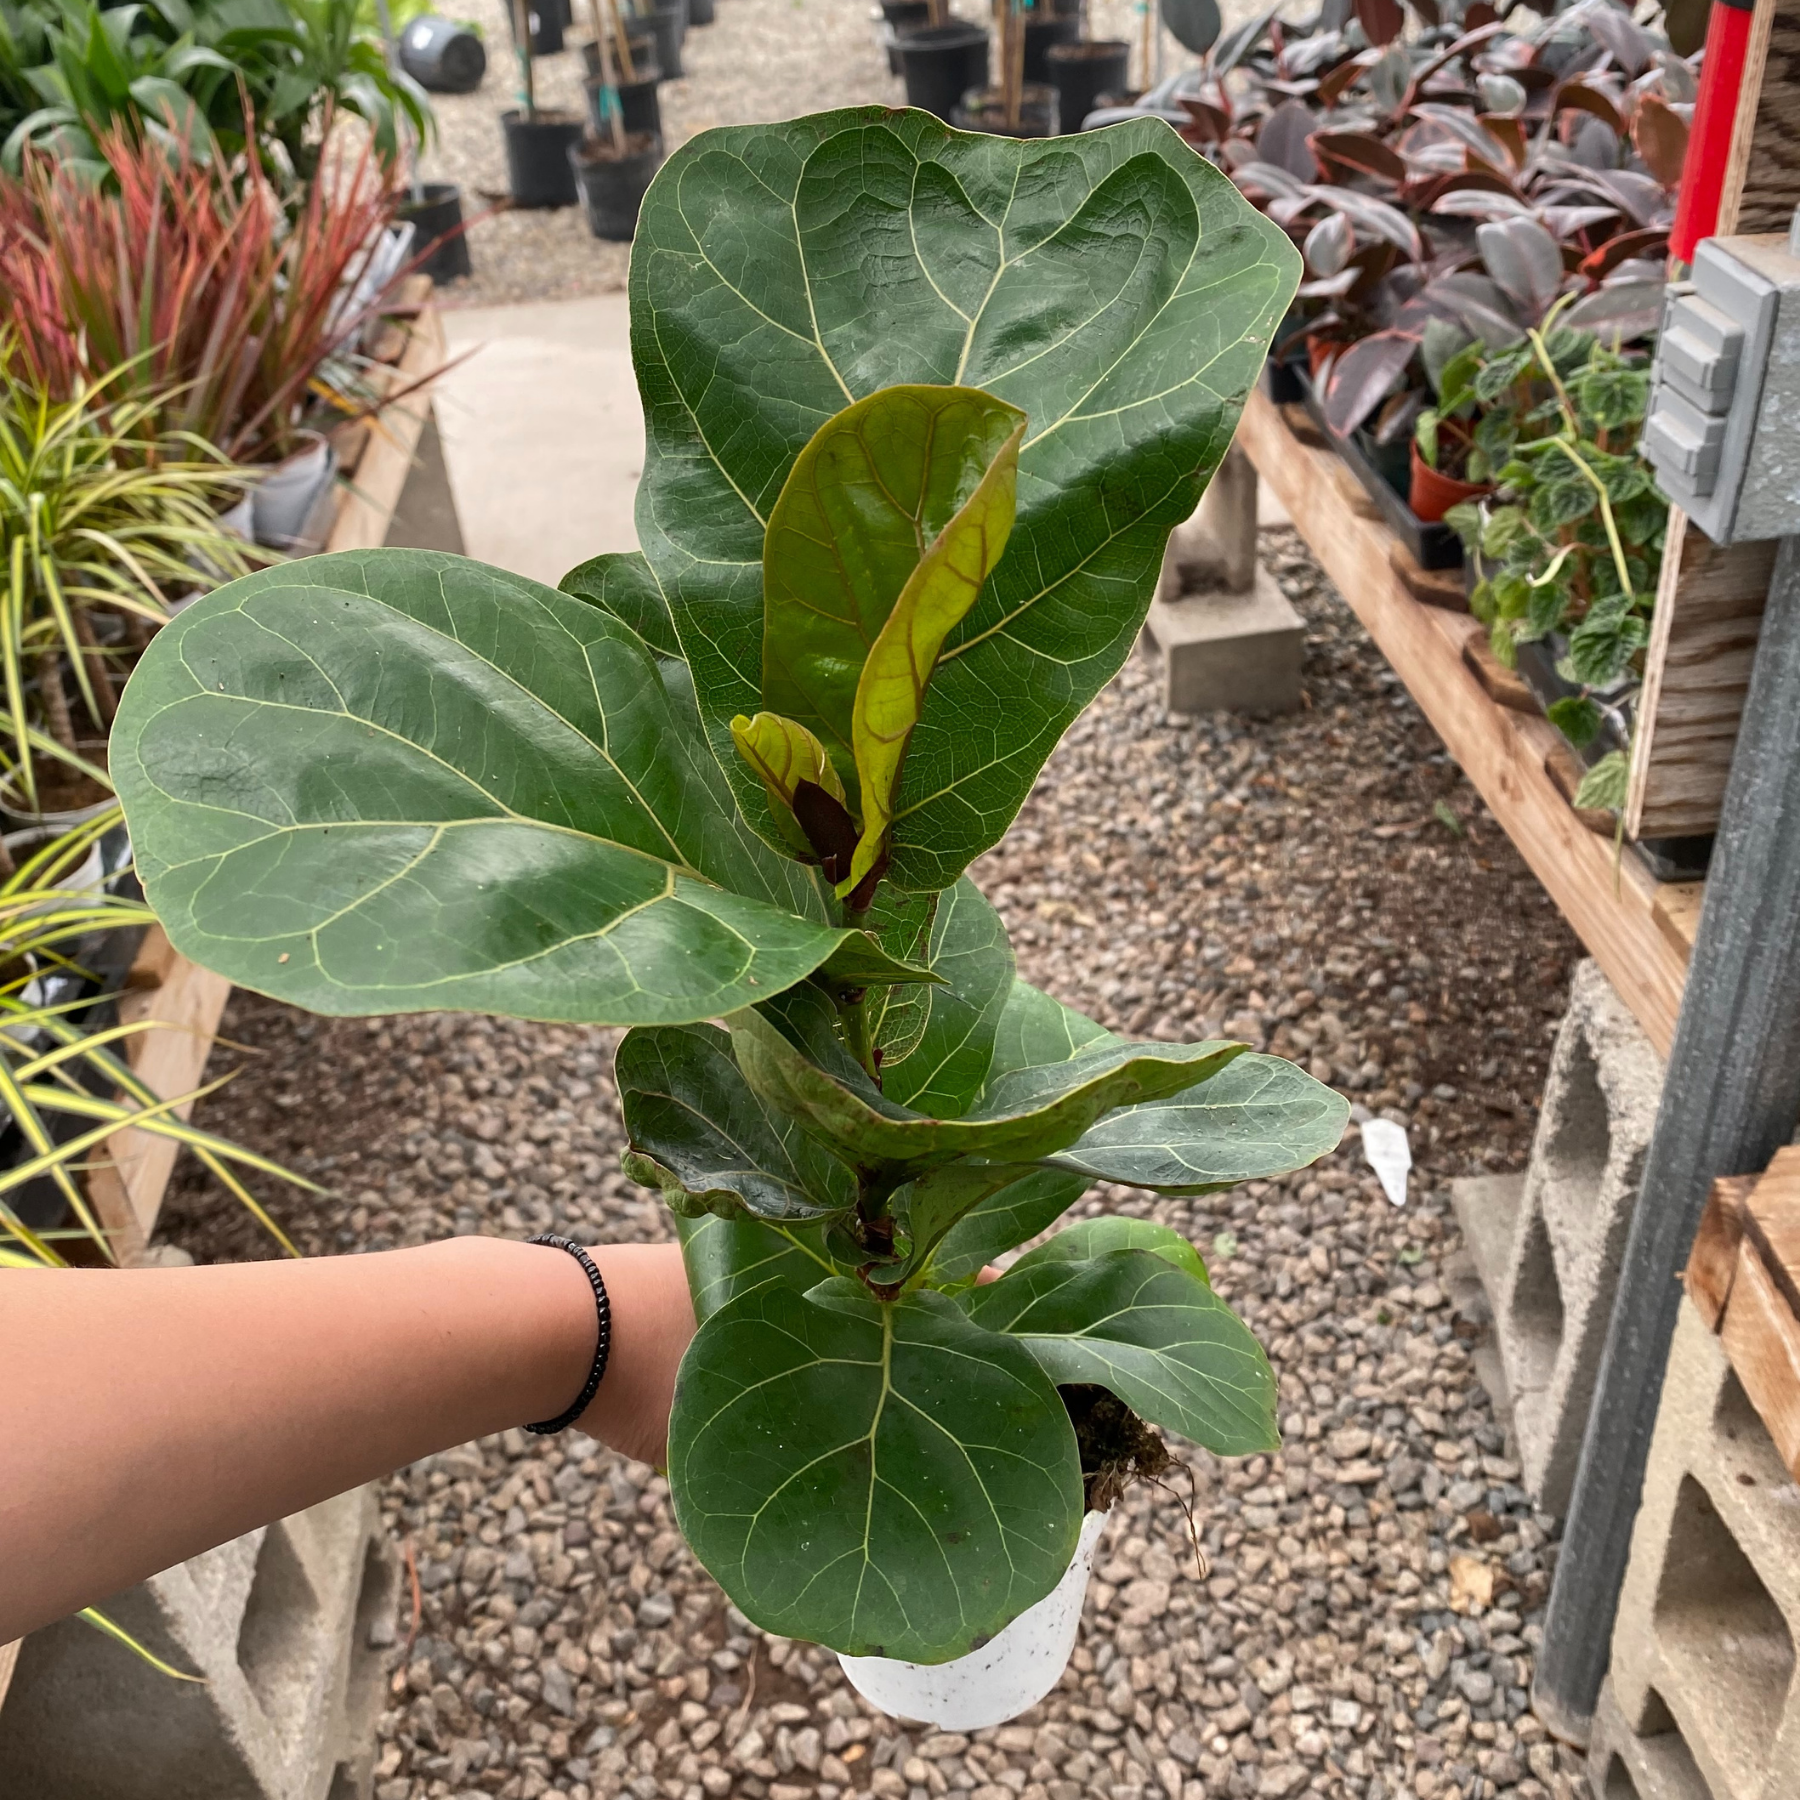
<point x="218" y="300"/>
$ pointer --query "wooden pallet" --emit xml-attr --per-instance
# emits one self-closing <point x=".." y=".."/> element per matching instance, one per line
<point x="184" y="1000"/>
<point x="1743" y="1276"/>
<point x="1636" y="928"/>
<point x="1709" y="602"/>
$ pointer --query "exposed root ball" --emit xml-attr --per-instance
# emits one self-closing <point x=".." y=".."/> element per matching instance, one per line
<point x="1117" y="1447"/>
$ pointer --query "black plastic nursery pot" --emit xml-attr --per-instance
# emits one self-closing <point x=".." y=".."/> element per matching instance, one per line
<point x="941" y="63"/>
<point x="700" y="12"/>
<point x="643" y="52"/>
<point x="545" y="19"/>
<point x="1040" y="34"/>
<point x="1082" y="72"/>
<point x="442" y="56"/>
<point x="986" y="111"/>
<point x="612" y="187"/>
<point x="1385" y="473"/>
<point x="437" y="222"/>
<point x="537" y="158"/>
<point x="637" y="104"/>
<point x="901" y="16"/>
<point x="668" y="24"/>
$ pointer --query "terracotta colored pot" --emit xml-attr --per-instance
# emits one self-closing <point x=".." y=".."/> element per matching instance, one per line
<point x="1433" y="494"/>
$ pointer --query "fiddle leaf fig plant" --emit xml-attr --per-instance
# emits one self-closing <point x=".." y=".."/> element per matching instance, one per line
<point x="922" y="408"/>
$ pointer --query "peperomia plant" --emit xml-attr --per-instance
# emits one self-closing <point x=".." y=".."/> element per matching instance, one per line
<point x="922" y="410"/>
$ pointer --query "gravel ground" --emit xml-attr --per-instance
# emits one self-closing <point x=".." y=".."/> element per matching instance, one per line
<point x="761" y="60"/>
<point x="1375" y="1590"/>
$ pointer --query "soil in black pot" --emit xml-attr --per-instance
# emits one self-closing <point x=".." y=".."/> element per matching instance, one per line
<point x="537" y="157"/>
<point x="941" y="63"/>
<point x="1086" y="74"/>
<point x="612" y="185"/>
<point x="986" y="111"/>
<point x="441" y="244"/>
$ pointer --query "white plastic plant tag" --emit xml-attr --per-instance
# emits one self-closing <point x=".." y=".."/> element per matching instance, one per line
<point x="1389" y="1154"/>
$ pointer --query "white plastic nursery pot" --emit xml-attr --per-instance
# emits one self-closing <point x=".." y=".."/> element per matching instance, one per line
<point x="1008" y="1675"/>
<point x="85" y="881"/>
<point x="288" y="504"/>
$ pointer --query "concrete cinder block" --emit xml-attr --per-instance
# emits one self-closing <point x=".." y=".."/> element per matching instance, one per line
<point x="1225" y="650"/>
<point x="1552" y="1303"/>
<point x="279" y="1624"/>
<point x="1623" y="1766"/>
<point x="1703" y="1647"/>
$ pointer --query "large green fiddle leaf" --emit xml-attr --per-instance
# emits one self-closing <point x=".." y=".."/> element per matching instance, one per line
<point x="1003" y="1220"/>
<point x="871" y="501"/>
<point x="1254" y="1118"/>
<point x="887" y="1480"/>
<point x="1261" y="1117"/>
<point x="1023" y="1114"/>
<point x="696" y="1132"/>
<point x="395" y="781"/>
<point x="621" y="582"/>
<point x="1112" y="286"/>
<point x="1151" y="1332"/>
<point x="937" y="1042"/>
<point x="1089" y="1238"/>
<point x="726" y="1258"/>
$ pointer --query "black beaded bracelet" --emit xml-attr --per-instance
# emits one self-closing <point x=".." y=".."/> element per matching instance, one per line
<point x="602" y="1349"/>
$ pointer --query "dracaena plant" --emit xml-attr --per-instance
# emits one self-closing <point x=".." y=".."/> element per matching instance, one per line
<point x="922" y="409"/>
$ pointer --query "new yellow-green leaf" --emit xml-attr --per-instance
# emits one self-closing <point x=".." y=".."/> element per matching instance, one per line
<point x="866" y="498"/>
<point x="890" y="694"/>
<point x="784" y="753"/>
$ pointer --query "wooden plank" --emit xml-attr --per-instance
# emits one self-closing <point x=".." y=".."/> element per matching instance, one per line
<point x="1761" y="1337"/>
<point x="1502" y="685"/>
<point x="187" y="1000"/>
<point x="1772" y="1223"/>
<point x="1712" y="1263"/>
<point x="1677" y="912"/>
<point x="370" y="496"/>
<point x="1609" y="902"/>
<point x="1762" y="179"/>
<point x="1709" y="607"/>
<point x="1709" y="600"/>
<point x="1430" y="587"/>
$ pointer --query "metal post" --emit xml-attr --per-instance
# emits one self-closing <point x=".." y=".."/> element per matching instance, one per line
<point x="1730" y="1100"/>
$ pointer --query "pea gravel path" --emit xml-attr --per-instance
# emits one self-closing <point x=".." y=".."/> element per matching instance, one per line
<point x="1375" y="1590"/>
<point x="761" y="60"/>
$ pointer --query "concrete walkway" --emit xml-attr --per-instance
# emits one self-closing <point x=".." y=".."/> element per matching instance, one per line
<point x="542" y="431"/>
<point x="544" y="437"/>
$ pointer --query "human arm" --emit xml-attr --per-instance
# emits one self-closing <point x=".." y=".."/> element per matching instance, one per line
<point x="153" y="1413"/>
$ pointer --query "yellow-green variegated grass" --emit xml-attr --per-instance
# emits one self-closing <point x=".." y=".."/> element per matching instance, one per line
<point x="97" y="513"/>
<point x="50" y="1065"/>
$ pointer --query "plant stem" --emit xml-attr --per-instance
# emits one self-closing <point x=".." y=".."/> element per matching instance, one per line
<point x="521" y="12"/>
<point x="1573" y="436"/>
<point x="55" y="699"/>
